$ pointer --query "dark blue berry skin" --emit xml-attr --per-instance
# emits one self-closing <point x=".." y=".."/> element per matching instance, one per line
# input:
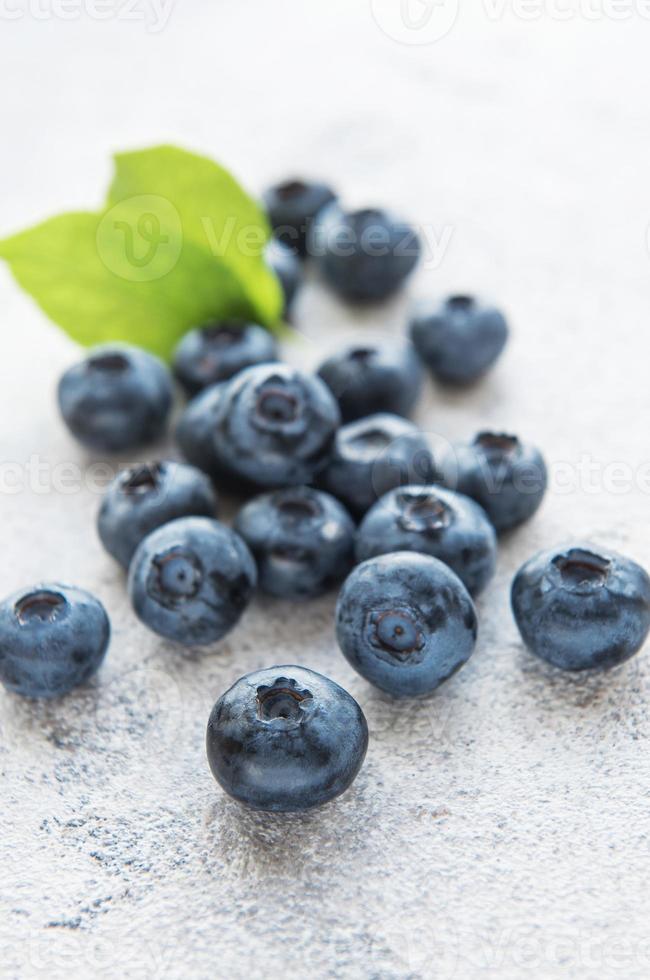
<point x="286" y="739"/>
<point x="117" y="398"/>
<point x="286" y="265"/>
<point x="459" y="339"/>
<point x="435" y="522"/>
<point x="406" y="623"/>
<point x="142" y="498"/>
<point x="370" y="378"/>
<point x="291" y="207"/>
<point x="365" y="256"/>
<point x="275" y="426"/>
<point x="196" y="427"/>
<point x="582" y="607"/>
<point x="195" y="436"/>
<point x="191" y="580"/>
<point x="217" y="351"/>
<point x="374" y="455"/>
<point x="52" y="639"/>
<point x="302" y="540"/>
<point x="508" y="478"/>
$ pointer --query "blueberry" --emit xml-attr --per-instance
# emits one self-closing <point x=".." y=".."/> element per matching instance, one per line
<point x="217" y="351"/>
<point x="286" y="739"/>
<point x="142" y="498"/>
<point x="405" y="622"/>
<point x="365" y="256"/>
<point x="581" y="607"/>
<point x="52" y="639"/>
<point x="302" y="540"/>
<point x="435" y="522"/>
<point x="117" y="398"/>
<point x="292" y="206"/>
<point x="459" y="339"/>
<point x="373" y="378"/>
<point x="196" y="438"/>
<point x="375" y="455"/>
<point x="191" y="580"/>
<point x="274" y="426"/>
<point x="286" y="265"/>
<point x="506" y="477"/>
<point x="196" y="428"/>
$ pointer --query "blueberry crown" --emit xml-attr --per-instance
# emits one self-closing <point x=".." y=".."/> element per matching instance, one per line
<point x="281" y="700"/>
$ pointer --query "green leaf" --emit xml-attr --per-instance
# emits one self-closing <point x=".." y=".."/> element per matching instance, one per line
<point x="178" y="243"/>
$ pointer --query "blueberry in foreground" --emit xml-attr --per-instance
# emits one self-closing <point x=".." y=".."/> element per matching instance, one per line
<point x="302" y="540"/>
<point x="292" y="206"/>
<point x="406" y="623"/>
<point x="286" y="739"/>
<point x="142" y="498"/>
<point x="217" y="351"/>
<point x="506" y="476"/>
<point x="286" y="265"/>
<point x="117" y="398"/>
<point x="274" y="426"/>
<point x="52" y="639"/>
<point x="460" y="338"/>
<point x="435" y="522"/>
<point x="370" y="378"/>
<point x="582" y="607"/>
<point x="374" y="455"/>
<point x="366" y="255"/>
<point x="191" y="580"/>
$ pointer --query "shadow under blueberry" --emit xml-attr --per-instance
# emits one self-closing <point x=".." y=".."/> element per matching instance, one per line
<point x="294" y="846"/>
<point x="62" y="721"/>
<point x="583" y="689"/>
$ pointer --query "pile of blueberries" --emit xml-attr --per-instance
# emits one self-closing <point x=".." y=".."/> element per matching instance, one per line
<point x="340" y="487"/>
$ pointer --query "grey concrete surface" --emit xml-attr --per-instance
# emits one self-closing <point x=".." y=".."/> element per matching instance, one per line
<point x="500" y="830"/>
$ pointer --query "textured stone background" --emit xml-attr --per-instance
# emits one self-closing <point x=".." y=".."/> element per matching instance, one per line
<point x="501" y="829"/>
